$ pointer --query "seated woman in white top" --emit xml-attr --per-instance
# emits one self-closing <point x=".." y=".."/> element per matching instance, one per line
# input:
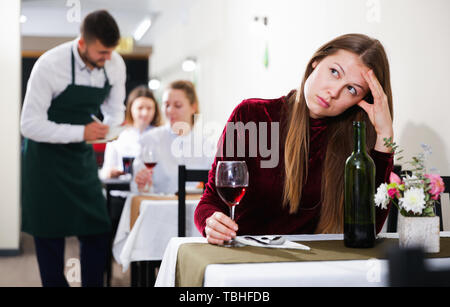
<point x="142" y="114"/>
<point x="180" y="142"/>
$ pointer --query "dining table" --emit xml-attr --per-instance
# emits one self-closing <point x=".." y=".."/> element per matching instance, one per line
<point x="147" y="223"/>
<point x="192" y="262"/>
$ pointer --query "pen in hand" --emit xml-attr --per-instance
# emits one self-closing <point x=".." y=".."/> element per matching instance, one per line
<point x="95" y="131"/>
<point x="96" y="119"/>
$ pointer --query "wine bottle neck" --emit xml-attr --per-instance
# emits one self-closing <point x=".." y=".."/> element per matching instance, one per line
<point x="359" y="137"/>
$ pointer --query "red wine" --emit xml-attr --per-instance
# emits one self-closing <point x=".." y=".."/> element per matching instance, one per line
<point x="150" y="165"/>
<point x="232" y="195"/>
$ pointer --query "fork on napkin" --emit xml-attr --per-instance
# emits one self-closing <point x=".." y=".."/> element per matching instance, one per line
<point x="270" y="242"/>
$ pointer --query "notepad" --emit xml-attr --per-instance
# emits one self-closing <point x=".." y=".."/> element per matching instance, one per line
<point x="112" y="135"/>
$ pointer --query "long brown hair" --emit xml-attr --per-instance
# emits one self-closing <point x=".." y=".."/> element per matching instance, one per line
<point x="142" y="91"/>
<point x="339" y="133"/>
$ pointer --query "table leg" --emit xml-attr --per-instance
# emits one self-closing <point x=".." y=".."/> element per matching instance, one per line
<point x="109" y="260"/>
<point x="134" y="274"/>
<point x="152" y="265"/>
<point x="143" y="278"/>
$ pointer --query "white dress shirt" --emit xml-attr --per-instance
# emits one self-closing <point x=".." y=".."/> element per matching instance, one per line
<point x="127" y="145"/>
<point x="195" y="150"/>
<point x="51" y="75"/>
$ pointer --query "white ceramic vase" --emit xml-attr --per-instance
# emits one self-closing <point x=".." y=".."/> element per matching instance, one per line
<point x="419" y="232"/>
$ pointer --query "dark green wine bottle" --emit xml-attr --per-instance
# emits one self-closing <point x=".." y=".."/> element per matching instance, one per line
<point x="359" y="204"/>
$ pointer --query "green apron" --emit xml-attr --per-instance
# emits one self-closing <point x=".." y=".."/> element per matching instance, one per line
<point x="61" y="192"/>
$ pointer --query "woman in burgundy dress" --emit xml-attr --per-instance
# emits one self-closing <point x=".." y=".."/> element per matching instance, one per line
<point x="303" y="139"/>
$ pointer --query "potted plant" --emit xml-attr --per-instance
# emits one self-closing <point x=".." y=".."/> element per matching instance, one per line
<point x="415" y="194"/>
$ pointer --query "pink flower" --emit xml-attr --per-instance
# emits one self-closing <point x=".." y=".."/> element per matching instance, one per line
<point x="394" y="178"/>
<point x="436" y="184"/>
<point x="393" y="193"/>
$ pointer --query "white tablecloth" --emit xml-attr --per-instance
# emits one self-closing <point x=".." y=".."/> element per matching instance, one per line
<point x="372" y="272"/>
<point x="156" y="224"/>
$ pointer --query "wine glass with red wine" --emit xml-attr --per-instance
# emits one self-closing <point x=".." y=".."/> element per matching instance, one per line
<point x="231" y="184"/>
<point x="148" y="158"/>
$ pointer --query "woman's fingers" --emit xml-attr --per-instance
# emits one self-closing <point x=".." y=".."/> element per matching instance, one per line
<point x="220" y="228"/>
<point x="372" y="86"/>
<point x="225" y="220"/>
<point x="375" y="87"/>
<point x="215" y="237"/>
<point x="220" y="225"/>
<point x="143" y="176"/>
<point x="365" y="106"/>
<point x="379" y="113"/>
<point x="139" y="177"/>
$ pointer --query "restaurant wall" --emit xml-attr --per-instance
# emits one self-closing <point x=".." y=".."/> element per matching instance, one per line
<point x="193" y="28"/>
<point x="9" y="126"/>
<point x="230" y="48"/>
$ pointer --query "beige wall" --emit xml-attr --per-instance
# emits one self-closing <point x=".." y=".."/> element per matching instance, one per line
<point x="9" y="124"/>
<point x="415" y="33"/>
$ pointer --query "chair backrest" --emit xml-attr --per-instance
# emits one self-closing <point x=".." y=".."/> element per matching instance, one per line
<point x="186" y="175"/>
<point x="444" y="207"/>
<point x="393" y="211"/>
<point x="99" y="151"/>
<point x="407" y="269"/>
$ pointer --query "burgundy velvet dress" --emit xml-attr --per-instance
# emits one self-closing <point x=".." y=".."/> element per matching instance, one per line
<point x="261" y="212"/>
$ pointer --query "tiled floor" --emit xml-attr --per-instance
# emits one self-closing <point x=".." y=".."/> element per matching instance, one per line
<point x="23" y="270"/>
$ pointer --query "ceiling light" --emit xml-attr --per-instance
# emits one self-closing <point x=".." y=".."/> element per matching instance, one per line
<point x="142" y="28"/>
<point x="189" y="65"/>
<point x="154" y="84"/>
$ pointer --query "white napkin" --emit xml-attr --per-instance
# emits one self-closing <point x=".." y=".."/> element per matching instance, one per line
<point x="287" y="244"/>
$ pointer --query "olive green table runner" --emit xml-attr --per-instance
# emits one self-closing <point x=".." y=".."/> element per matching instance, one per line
<point x="193" y="258"/>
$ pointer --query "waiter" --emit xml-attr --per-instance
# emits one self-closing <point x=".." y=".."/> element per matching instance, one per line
<point x="61" y="192"/>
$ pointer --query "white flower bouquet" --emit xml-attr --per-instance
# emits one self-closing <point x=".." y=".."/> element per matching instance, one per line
<point x="415" y="192"/>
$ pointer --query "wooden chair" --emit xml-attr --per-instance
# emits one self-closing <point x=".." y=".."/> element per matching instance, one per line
<point x="146" y="270"/>
<point x="99" y="150"/>
<point x="393" y="212"/>
<point x="407" y="269"/>
<point x="443" y="209"/>
<point x="112" y="185"/>
<point x="186" y="175"/>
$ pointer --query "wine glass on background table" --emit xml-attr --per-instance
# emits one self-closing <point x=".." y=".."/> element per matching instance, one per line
<point x="149" y="160"/>
<point x="128" y="164"/>
<point x="231" y="184"/>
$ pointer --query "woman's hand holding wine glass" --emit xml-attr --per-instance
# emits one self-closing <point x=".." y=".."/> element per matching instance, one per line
<point x="144" y="176"/>
<point x="231" y="185"/>
<point x="144" y="179"/>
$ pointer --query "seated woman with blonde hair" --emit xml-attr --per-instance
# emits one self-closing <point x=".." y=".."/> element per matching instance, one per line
<point x="180" y="142"/>
<point x="142" y="114"/>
